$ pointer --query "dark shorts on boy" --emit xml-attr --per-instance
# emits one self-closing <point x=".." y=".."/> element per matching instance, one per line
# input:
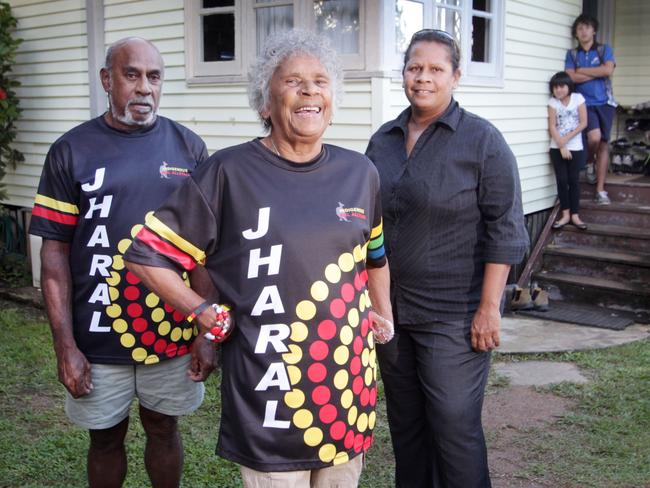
<point x="600" y="117"/>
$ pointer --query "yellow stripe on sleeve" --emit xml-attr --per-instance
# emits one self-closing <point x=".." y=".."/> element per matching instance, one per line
<point x="377" y="230"/>
<point x="56" y="205"/>
<point x="163" y="231"/>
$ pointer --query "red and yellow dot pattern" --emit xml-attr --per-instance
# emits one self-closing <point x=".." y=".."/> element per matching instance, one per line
<point x="332" y="364"/>
<point x="150" y="328"/>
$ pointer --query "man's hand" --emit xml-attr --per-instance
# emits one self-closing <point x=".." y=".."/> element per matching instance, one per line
<point x="74" y="372"/>
<point x="485" y="329"/>
<point x="203" y="359"/>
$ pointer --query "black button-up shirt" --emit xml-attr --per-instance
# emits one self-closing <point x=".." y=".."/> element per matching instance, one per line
<point x="451" y="206"/>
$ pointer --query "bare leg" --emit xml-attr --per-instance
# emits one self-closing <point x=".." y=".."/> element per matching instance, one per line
<point x="107" y="456"/>
<point x="602" y="162"/>
<point x="163" y="454"/>
<point x="564" y="219"/>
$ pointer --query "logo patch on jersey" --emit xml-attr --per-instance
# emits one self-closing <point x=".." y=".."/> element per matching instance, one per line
<point x="345" y="213"/>
<point x="166" y="170"/>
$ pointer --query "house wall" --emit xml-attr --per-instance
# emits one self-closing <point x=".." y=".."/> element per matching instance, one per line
<point x="536" y="40"/>
<point x="52" y="65"/>
<point x="631" y="43"/>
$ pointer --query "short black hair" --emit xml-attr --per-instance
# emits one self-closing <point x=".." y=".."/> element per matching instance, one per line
<point x="561" y="78"/>
<point x="584" y="19"/>
<point x="440" y="37"/>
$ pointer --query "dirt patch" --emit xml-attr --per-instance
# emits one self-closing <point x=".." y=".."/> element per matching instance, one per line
<point x="510" y="417"/>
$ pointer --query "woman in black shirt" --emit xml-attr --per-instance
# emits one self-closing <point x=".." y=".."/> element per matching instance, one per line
<point x="453" y="226"/>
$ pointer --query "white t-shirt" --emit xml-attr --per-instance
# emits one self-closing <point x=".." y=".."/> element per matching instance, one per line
<point x="567" y="119"/>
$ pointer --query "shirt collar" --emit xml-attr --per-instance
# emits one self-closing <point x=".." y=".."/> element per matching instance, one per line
<point x="450" y="118"/>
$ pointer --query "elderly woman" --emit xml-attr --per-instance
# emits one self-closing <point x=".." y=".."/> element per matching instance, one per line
<point x="454" y="224"/>
<point x="290" y="232"/>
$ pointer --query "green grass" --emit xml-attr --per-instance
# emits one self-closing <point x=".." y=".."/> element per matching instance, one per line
<point x="604" y="441"/>
<point x="39" y="447"/>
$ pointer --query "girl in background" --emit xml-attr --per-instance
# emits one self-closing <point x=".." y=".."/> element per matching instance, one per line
<point x="567" y="118"/>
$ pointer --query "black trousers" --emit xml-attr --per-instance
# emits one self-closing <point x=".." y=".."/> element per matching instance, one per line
<point x="434" y="384"/>
<point x="567" y="172"/>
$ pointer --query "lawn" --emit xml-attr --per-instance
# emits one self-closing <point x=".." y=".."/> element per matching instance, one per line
<point x="40" y="447"/>
<point x="604" y="441"/>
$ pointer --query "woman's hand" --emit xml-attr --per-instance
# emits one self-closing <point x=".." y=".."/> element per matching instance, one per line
<point x="566" y="154"/>
<point x="383" y="328"/>
<point x="485" y="329"/>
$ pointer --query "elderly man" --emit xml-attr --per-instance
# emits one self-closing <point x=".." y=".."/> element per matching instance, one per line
<point x="114" y="339"/>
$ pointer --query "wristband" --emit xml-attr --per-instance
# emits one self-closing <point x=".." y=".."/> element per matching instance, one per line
<point x="197" y="311"/>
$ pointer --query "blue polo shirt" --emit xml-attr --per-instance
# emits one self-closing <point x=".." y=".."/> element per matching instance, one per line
<point x="594" y="91"/>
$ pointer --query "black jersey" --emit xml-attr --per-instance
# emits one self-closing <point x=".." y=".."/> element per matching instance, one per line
<point x="287" y="246"/>
<point x="98" y="183"/>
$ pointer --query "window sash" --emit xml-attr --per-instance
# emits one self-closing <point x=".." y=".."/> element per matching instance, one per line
<point x="246" y="33"/>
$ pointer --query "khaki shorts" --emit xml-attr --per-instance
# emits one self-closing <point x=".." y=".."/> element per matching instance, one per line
<point x="163" y="387"/>
<point x="340" y="476"/>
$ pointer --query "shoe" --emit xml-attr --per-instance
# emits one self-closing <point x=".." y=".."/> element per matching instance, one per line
<point x="581" y="226"/>
<point x="591" y="174"/>
<point x="602" y="198"/>
<point x="557" y="225"/>
<point x="540" y="299"/>
<point x="521" y="300"/>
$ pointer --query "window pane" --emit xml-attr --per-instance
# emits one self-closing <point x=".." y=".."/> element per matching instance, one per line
<point x="409" y="18"/>
<point x="482" y="5"/>
<point x="271" y="20"/>
<point x="449" y="20"/>
<point x="218" y="3"/>
<point x="219" y="37"/>
<point x="339" y="20"/>
<point x="455" y="3"/>
<point x="481" y="40"/>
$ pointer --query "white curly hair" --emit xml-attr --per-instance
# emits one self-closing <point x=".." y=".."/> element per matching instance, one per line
<point x="282" y="46"/>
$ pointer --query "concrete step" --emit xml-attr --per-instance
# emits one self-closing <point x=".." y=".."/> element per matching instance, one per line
<point x="597" y="263"/>
<point x="628" y="189"/>
<point x="618" y="295"/>
<point x="605" y="237"/>
<point x="626" y="214"/>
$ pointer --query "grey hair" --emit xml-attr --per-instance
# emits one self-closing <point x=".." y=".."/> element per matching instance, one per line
<point x="282" y="46"/>
<point x="113" y="48"/>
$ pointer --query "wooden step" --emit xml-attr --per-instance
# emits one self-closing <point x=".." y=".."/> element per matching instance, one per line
<point x="626" y="214"/>
<point x="628" y="189"/>
<point x="597" y="263"/>
<point x="619" y="295"/>
<point x="606" y="237"/>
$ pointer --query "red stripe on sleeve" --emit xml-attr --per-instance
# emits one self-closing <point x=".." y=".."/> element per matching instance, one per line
<point x="54" y="216"/>
<point x="166" y="249"/>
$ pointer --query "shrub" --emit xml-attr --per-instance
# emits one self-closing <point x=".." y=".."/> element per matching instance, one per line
<point x="9" y="109"/>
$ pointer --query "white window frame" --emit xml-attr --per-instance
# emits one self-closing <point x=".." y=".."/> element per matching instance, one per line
<point x="199" y="72"/>
<point x="473" y="73"/>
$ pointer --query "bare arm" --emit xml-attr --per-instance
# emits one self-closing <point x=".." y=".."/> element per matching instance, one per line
<point x="73" y="367"/>
<point x="552" y="127"/>
<point x="168" y="285"/>
<point x="204" y="358"/>
<point x="487" y="319"/>
<point x="603" y="71"/>
<point x="379" y="291"/>
<point x="578" y="77"/>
